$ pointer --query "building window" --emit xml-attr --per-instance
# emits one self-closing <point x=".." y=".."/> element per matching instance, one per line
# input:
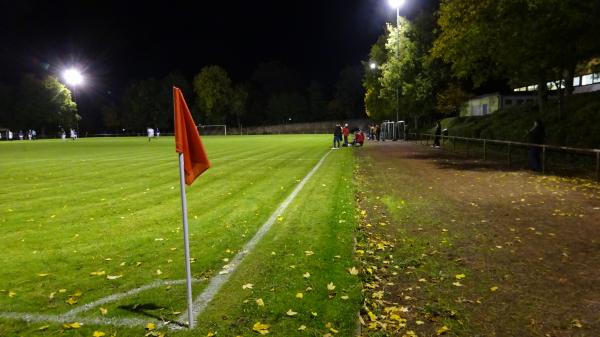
<point x="596" y="78"/>
<point x="586" y="80"/>
<point x="577" y="81"/>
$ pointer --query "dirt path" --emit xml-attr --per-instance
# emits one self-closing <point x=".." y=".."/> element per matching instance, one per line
<point x="495" y="252"/>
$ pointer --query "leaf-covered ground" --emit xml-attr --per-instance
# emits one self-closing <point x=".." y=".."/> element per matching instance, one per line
<point x="458" y="247"/>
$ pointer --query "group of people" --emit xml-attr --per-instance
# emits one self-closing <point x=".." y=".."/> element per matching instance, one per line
<point x="63" y="134"/>
<point x="374" y="132"/>
<point x="340" y="133"/>
<point x="9" y="135"/>
<point x="152" y="133"/>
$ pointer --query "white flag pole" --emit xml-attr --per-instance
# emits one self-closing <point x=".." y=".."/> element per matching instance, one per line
<point x="186" y="243"/>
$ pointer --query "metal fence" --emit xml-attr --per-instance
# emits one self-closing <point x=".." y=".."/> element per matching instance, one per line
<point x="561" y="159"/>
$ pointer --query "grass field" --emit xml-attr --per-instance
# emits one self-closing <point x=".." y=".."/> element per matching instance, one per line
<point x="83" y="220"/>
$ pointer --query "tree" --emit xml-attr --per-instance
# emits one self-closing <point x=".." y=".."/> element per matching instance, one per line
<point x="6" y="104"/>
<point x="348" y="101"/>
<point x="271" y="88"/>
<point x="142" y="106"/>
<point x="524" y="41"/>
<point x="213" y="90"/>
<point x="43" y="104"/>
<point x="377" y="106"/>
<point x="239" y="98"/>
<point x="317" y="104"/>
<point x="282" y="107"/>
<point x="450" y="100"/>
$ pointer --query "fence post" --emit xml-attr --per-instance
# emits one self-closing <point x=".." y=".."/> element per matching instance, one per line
<point x="454" y="144"/>
<point x="543" y="159"/>
<point x="509" y="159"/>
<point x="467" y="147"/>
<point x="484" y="150"/>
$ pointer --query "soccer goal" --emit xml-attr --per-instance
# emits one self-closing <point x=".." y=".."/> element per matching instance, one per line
<point x="213" y="130"/>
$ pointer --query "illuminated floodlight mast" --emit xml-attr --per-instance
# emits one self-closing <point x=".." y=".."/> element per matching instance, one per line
<point x="73" y="77"/>
<point x="397" y="4"/>
<point x="373" y="65"/>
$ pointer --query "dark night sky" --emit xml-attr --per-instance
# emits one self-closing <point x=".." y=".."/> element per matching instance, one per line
<point x="120" y="41"/>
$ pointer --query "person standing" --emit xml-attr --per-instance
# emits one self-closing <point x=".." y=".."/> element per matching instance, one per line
<point x="438" y="134"/>
<point x="150" y="132"/>
<point x="337" y="136"/>
<point x="536" y="136"/>
<point x="346" y="132"/>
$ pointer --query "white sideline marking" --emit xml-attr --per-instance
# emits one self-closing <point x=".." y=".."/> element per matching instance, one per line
<point x="70" y="316"/>
<point x="201" y="302"/>
<point x="116" y="297"/>
<point x="37" y="318"/>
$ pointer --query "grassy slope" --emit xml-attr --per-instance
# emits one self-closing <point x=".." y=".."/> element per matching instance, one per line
<point x="112" y="205"/>
<point x="579" y="128"/>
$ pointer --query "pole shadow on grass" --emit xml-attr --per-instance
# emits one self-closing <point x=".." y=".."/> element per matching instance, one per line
<point x="145" y="309"/>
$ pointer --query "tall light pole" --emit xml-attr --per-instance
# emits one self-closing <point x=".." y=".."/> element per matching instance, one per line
<point x="397" y="4"/>
<point x="74" y="78"/>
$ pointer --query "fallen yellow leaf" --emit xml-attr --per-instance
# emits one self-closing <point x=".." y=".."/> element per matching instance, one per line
<point x="330" y="286"/>
<point x="306" y="275"/>
<point x="103" y="311"/>
<point x="442" y="330"/>
<point x="353" y="271"/>
<point x="247" y="286"/>
<point x="260" y="302"/>
<point x="97" y="273"/>
<point x="494" y="288"/>
<point x="113" y="277"/>
<point x="302" y="328"/>
<point x="75" y="325"/>
<point x="150" y="326"/>
<point x="98" y="334"/>
<point x="460" y="276"/>
<point x="299" y="295"/>
<point x="290" y="312"/>
<point x="261" y="328"/>
<point x="71" y="300"/>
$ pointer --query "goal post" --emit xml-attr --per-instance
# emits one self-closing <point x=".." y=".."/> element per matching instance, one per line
<point x="213" y="130"/>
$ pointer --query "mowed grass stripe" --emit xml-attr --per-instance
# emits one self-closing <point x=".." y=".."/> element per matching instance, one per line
<point x="104" y="237"/>
<point x="314" y="235"/>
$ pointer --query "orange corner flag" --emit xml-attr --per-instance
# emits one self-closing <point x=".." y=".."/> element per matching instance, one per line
<point x="187" y="140"/>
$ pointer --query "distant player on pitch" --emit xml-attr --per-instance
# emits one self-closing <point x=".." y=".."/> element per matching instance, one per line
<point x="150" y="133"/>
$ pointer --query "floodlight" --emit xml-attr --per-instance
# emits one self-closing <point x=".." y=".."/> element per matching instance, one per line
<point x="373" y="65"/>
<point x="396" y="3"/>
<point x="73" y="76"/>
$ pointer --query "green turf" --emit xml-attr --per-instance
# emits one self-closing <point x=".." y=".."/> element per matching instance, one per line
<point x="112" y="206"/>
